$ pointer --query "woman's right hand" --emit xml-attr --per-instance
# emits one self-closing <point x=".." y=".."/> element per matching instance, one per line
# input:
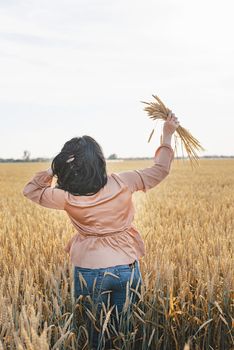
<point x="171" y="124"/>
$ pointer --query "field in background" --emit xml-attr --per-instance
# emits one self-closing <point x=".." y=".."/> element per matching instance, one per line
<point x="187" y="223"/>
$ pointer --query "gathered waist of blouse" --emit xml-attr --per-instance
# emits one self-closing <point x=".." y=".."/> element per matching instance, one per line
<point x="94" y="234"/>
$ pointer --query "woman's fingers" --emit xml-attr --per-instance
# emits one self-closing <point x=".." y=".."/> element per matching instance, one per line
<point x="171" y="116"/>
<point x="171" y="123"/>
<point x="173" y="119"/>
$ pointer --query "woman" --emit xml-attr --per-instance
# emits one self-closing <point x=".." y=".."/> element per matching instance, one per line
<point x="106" y="249"/>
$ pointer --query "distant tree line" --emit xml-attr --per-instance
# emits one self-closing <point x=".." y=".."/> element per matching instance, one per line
<point x="33" y="160"/>
<point x="40" y="159"/>
<point x="113" y="156"/>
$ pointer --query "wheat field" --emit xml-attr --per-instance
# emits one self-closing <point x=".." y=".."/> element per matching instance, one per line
<point x="186" y="301"/>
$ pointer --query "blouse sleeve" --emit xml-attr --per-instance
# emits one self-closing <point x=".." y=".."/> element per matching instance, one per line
<point x="39" y="190"/>
<point x="147" y="178"/>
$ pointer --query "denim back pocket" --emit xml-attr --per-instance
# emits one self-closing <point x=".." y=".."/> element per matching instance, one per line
<point x="128" y="275"/>
<point x="85" y="281"/>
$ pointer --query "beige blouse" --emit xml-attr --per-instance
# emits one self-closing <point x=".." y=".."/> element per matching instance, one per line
<point x="105" y="235"/>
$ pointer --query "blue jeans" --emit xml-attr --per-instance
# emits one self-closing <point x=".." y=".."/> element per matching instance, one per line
<point x="117" y="286"/>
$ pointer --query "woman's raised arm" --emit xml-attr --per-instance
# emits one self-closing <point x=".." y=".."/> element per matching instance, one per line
<point x="39" y="190"/>
<point x="147" y="178"/>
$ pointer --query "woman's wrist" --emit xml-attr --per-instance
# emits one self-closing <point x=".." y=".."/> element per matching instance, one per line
<point x="166" y="138"/>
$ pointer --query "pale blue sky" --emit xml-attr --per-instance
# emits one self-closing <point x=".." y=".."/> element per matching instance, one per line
<point x="72" y="67"/>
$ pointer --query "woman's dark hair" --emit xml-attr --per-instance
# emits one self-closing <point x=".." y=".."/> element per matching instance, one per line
<point x="80" y="167"/>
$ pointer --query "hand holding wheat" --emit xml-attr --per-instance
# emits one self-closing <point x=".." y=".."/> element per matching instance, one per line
<point x="171" y="124"/>
<point x="157" y="110"/>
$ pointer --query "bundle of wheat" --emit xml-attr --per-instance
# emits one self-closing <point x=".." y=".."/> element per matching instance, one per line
<point x="157" y="110"/>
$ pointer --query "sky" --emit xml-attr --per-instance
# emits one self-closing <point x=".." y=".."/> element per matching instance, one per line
<point x="80" y="67"/>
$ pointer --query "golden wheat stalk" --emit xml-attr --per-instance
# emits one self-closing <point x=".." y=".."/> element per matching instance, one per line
<point x="157" y="110"/>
